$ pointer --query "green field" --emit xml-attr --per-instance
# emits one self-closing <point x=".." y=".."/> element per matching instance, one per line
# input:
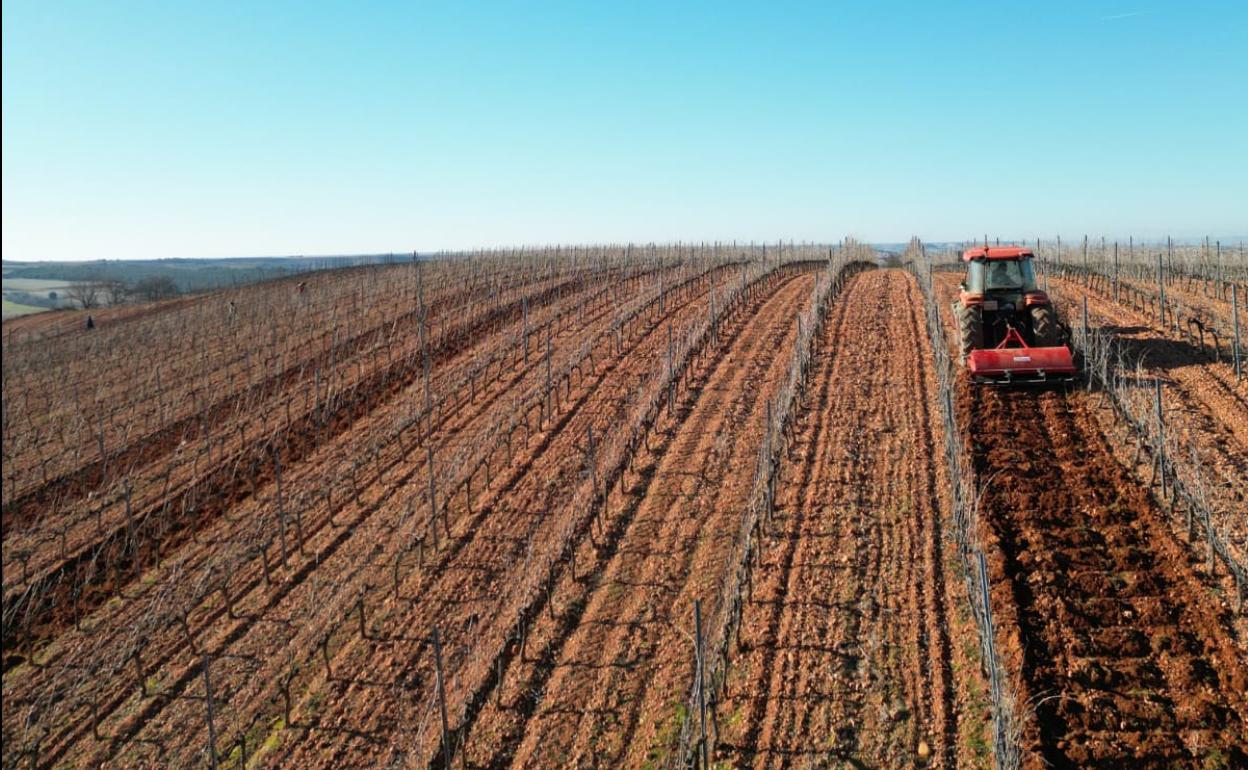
<point x="13" y="310"/>
<point x="23" y="296"/>
<point x="34" y="285"/>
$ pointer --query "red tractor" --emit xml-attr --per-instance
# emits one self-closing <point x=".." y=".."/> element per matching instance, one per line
<point x="1008" y="329"/>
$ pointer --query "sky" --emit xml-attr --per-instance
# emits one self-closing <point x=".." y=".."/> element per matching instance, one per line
<point x="193" y="129"/>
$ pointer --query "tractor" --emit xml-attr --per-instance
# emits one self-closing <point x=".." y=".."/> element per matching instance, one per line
<point x="1008" y="329"/>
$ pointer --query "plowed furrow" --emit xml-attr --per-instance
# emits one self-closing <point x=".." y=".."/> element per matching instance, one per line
<point x="218" y="358"/>
<point x="498" y="730"/>
<point x="1126" y="658"/>
<point x="626" y="661"/>
<point x="1217" y="308"/>
<point x="97" y="567"/>
<point x="449" y="579"/>
<point x="444" y="421"/>
<point x="1205" y="411"/>
<point x="1140" y="338"/>
<point x="765" y="611"/>
<point x="144" y="449"/>
<point x="325" y="538"/>
<point x="845" y="649"/>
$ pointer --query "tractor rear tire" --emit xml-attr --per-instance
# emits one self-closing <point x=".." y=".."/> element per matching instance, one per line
<point x="970" y="329"/>
<point x="1044" y="327"/>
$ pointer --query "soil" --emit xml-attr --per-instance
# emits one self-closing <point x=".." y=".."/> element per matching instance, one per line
<point x="1196" y="296"/>
<point x="343" y="524"/>
<point x="317" y="485"/>
<point x="1126" y="658"/>
<point x="1125" y="654"/>
<point x="473" y="594"/>
<point x="1205" y="409"/>
<point x="846" y="650"/>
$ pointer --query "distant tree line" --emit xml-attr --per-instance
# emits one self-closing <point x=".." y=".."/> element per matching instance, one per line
<point x="93" y="293"/>
<point x="50" y="299"/>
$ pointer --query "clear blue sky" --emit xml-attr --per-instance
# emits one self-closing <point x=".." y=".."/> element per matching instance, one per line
<point x="224" y="129"/>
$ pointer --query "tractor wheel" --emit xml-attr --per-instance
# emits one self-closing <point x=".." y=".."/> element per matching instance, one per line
<point x="971" y="329"/>
<point x="1044" y="327"/>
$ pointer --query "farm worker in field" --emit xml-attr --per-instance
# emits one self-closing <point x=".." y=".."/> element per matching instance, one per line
<point x="90" y="322"/>
<point x="233" y="310"/>
<point x="303" y="285"/>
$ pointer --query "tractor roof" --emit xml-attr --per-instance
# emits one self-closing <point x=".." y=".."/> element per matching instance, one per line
<point x="996" y="252"/>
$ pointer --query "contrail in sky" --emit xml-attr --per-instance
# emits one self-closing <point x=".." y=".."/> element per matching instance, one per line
<point x="1117" y="16"/>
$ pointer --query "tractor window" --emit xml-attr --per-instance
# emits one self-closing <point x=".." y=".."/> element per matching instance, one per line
<point x="1006" y="274"/>
<point x="975" y="277"/>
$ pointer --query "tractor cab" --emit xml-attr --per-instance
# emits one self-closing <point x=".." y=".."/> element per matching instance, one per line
<point x="1002" y="283"/>
<point x="1001" y="275"/>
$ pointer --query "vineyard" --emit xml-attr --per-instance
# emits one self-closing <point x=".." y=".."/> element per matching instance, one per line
<point x="673" y="506"/>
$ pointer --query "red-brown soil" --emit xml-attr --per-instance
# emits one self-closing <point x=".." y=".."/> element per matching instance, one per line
<point x="368" y="461"/>
<point x="1125" y="654"/>
<point x="846" y="648"/>
<point x="1125" y="657"/>
<point x="57" y="323"/>
<point x="608" y="683"/>
<point x="276" y="504"/>
<point x="211" y="482"/>
<point x="1195" y="296"/>
<point x="1205" y="409"/>
<point x="472" y="595"/>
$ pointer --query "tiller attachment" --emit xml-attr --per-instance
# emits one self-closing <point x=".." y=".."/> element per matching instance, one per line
<point x="1006" y="364"/>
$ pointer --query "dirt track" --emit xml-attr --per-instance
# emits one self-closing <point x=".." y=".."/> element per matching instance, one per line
<point x="846" y="643"/>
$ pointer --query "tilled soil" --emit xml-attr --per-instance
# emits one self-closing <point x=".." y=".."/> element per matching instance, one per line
<point x="1205" y="409"/>
<point x="1217" y="309"/>
<point x="487" y="562"/>
<point x="600" y="687"/>
<point x="159" y="724"/>
<point x="851" y="645"/>
<point x="188" y="475"/>
<point x="1125" y="658"/>
<point x="1181" y="363"/>
<point x="1123" y="653"/>
<point x="846" y="650"/>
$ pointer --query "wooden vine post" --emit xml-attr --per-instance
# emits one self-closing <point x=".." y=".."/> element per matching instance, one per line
<point x="446" y="733"/>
